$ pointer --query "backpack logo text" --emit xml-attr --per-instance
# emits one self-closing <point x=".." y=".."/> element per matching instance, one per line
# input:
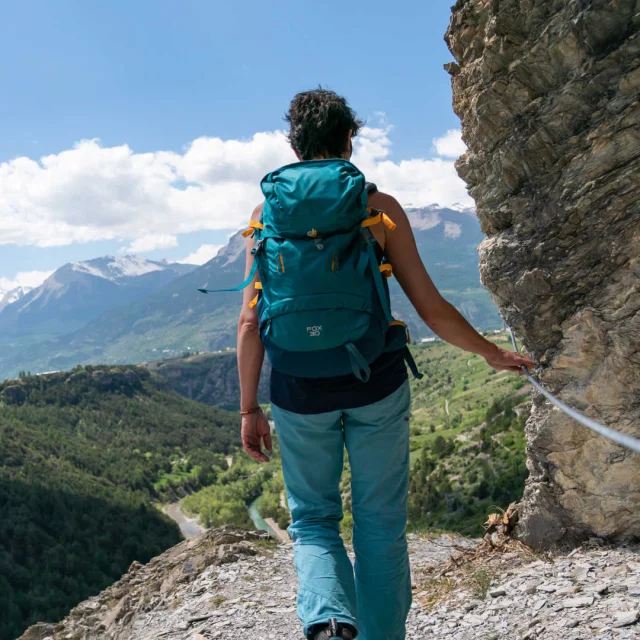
<point x="314" y="331"/>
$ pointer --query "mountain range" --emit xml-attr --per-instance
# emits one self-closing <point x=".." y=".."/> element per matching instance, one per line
<point x="78" y="293"/>
<point x="164" y="319"/>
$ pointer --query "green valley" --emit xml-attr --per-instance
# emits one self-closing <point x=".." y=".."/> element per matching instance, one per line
<point x="87" y="455"/>
<point x="84" y="456"/>
<point x="467" y="450"/>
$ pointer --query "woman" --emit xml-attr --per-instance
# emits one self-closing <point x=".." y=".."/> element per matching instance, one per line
<point x="316" y="418"/>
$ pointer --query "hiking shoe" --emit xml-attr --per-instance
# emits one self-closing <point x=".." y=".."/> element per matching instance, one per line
<point x="333" y="631"/>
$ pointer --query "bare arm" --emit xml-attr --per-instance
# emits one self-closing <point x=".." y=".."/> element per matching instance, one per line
<point x="439" y="315"/>
<point x="250" y="358"/>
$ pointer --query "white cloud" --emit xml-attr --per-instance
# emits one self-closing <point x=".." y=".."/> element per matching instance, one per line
<point x="450" y="145"/>
<point x="452" y="230"/>
<point x="91" y="192"/>
<point x="30" y="279"/>
<point x="151" y="242"/>
<point x="417" y="182"/>
<point x="203" y="254"/>
<point x="423" y="221"/>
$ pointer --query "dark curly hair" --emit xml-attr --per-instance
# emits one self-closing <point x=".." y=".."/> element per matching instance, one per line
<point x="319" y="122"/>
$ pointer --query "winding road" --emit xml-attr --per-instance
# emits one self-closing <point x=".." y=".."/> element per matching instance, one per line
<point x="190" y="527"/>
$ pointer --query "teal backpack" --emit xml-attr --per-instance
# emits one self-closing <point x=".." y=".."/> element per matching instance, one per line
<point x="322" y="300"/>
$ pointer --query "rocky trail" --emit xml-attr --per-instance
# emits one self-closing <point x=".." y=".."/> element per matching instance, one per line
<point x="229" y="583"/>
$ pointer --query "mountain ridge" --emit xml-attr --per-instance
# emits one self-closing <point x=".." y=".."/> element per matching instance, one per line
<point x="176" y="318"/>
<point x="79" y="292"/>
<point x="84" y="457"/>
<point x="12" y="295"/>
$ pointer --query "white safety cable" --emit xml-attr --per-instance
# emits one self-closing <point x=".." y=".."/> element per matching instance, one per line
<point x="619" y="438"/>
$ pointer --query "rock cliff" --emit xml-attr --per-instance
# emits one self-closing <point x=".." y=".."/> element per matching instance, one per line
<point x="211" y="378"/>
<point x="548" y="94"/>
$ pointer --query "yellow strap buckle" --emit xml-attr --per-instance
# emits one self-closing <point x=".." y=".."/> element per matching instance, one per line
<point x="386" y="269"/>
<point x="378" y="218"/>
<point x="253" y="225"/>
<point x="258" y="286"/>
<point x="399" y="323"/>
<point x="388" y="222"/>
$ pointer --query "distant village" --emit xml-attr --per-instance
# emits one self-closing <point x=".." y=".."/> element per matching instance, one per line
<point x="490" y="332"/>
<point x="189" y="352"/>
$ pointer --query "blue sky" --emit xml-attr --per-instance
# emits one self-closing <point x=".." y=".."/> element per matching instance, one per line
<point x="155" y="83"/>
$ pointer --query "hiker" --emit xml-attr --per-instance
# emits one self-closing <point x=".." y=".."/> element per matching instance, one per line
<point x="319" y="249"/>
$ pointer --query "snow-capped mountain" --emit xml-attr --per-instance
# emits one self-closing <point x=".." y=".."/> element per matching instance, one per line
<point x="79" y="292"/>
<point x="13" y="295"/>
<point x="114" y="269"/>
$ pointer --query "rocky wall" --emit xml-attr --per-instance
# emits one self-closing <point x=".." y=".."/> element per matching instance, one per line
<point x="548" y="93"/>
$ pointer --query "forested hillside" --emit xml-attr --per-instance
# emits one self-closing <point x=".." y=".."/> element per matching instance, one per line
<point x="83" y="456"/>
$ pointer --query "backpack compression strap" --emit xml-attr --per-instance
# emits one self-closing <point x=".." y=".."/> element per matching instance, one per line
<point x="377" y="275"/>
<point x="240" y="287"/>
<point x="248" y="279"/>
<point x="411" y="363"/>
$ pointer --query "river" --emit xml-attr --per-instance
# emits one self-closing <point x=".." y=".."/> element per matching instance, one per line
<point x="191" y="527"/>
<point x="257" y="519"/>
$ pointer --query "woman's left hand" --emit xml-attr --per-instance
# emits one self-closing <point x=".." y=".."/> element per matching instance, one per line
<point x="255" y="429"/>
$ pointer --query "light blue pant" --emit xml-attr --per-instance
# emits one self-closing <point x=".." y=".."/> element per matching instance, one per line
<point x="377" y="599"/>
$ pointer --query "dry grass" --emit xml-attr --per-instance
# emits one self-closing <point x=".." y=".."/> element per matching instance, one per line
<point x="480" y="581"/>
<point x="269" y="543"/>
<point x="216" y="601"/>
<point x="473" y="568"/>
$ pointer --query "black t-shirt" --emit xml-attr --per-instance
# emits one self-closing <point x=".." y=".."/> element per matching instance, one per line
<point x="321" y="395"/>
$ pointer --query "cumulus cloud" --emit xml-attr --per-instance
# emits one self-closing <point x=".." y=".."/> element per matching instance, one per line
<point x="202" y="254"/>
<point x="29" y="279"/>
<point x="417" y="182"/>
<point x="92" y="192"/>
<point x="452" y="230"/>
<point x="450" y="145"/>
<point x="151" y="242"/>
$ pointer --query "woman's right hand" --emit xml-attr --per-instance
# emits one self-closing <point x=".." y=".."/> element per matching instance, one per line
<point x="255" y="429"/>
<point x="503" y="360"/>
